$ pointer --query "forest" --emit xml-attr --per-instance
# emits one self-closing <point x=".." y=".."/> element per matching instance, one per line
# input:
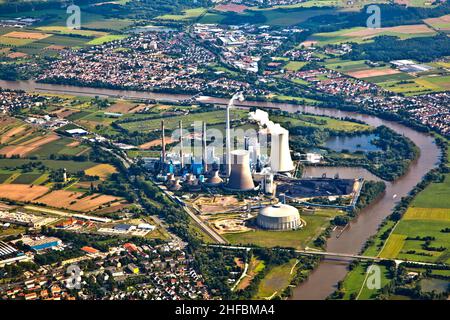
<point x="388" y="48"/>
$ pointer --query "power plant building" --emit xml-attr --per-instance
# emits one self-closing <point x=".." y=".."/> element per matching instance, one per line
<point x="279" y="217"/>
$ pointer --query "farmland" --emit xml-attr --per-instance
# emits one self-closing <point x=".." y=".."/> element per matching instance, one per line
<point x="360" y="34"/>
<point x="188" y="14"/>
<point x="103" y="171"/>
<point x="428" y="216"/>
<point x="75" y="201"/>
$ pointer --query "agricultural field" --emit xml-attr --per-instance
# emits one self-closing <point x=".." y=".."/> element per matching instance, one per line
<point x="435" y="80"/>
<point x="428" y="216"/>
<point x="362" y="35"/>
<point x="440" y="23"/>
<point x="103" y="171"/>
<point x="61" y="199"/>
<point x="189" y="14"/>
<point x="299" y="239"/>
<point x="49" y="36"/>
<point x="294" y="65"/>
<point x="270" y="16"/>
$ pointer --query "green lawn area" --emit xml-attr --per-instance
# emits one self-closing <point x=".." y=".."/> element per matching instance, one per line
<point x="301" y="238"/>
<point x="436" y="195"/>
<point x="105" y="39"/>
<point x="276" y="280"/>
<point x="346" y="65"/>
<point x="354" y="280"/>
<point x="171" y="123"/>
<point x="331" y="123"/>
<point x="294" y="65"/>
<point x="188" y="14"/>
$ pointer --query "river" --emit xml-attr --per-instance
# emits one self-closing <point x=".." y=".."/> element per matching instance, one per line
<point x="323" y="280"/>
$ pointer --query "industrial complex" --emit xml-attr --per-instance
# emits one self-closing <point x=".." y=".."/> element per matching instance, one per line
<point x="255" y="175"/>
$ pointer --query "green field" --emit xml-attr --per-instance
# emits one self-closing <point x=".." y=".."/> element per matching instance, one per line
<point x="27" y="178"/>
<point x="188" y="14"/>
<point x="274" y="16"/>
<point x="393" y="246"/>
<point x="301" y="238"/>
<point x="171" y="123"/>
<point x="106" y="39"/>
<point x="353" y="35"/>
<point x="346" y="65"/>
<point x="428" y="216"/>
<point x="436" y="195"/>
<point x="71" y="166"/>
<point x="355" y="283"/>
<point x="58" y="147"/>
<point x="276" y="280"/>
<point x="389" y="78"/>
<point x="331" y="123"/>
<point x="294" y="65"/>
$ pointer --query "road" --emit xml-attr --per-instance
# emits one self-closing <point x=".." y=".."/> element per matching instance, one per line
<point x="212" y="233"/>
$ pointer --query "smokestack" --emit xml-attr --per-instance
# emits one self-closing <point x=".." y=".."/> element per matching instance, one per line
<point x="280" y="155"/>
<point x="204" y="156"/>
<point x="240" y="176"/>
<point x="228" y="142"/>
<point x="163" y="142"/>
<point x="181" y="144"/>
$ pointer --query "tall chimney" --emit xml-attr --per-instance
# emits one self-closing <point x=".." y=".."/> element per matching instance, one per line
<point x="163" y="142"/>
<point x="181" y="144"/>
<point x="204" y="156"/>
<point x="228" y="142"/>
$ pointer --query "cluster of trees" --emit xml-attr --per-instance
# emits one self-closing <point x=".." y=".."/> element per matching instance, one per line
<point x="369" y="192"/>
<point x="388" y="48"/>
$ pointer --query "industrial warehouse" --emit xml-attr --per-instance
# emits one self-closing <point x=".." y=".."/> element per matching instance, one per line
<point x="255" y="181"/>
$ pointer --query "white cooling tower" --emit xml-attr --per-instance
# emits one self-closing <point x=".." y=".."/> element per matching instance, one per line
<point x="240" y="176"/>
<point x="280" y="155"/>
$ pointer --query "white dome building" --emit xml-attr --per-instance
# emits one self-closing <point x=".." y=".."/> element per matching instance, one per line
<point x="279" y="217"/>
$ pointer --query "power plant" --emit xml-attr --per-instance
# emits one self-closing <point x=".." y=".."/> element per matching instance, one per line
<point x="244" y="169"/>
<point x="260" y="167"/>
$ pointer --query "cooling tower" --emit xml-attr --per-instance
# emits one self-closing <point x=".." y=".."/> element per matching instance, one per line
<point x="240" y="176"/>
<point x="280" y="156"/>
